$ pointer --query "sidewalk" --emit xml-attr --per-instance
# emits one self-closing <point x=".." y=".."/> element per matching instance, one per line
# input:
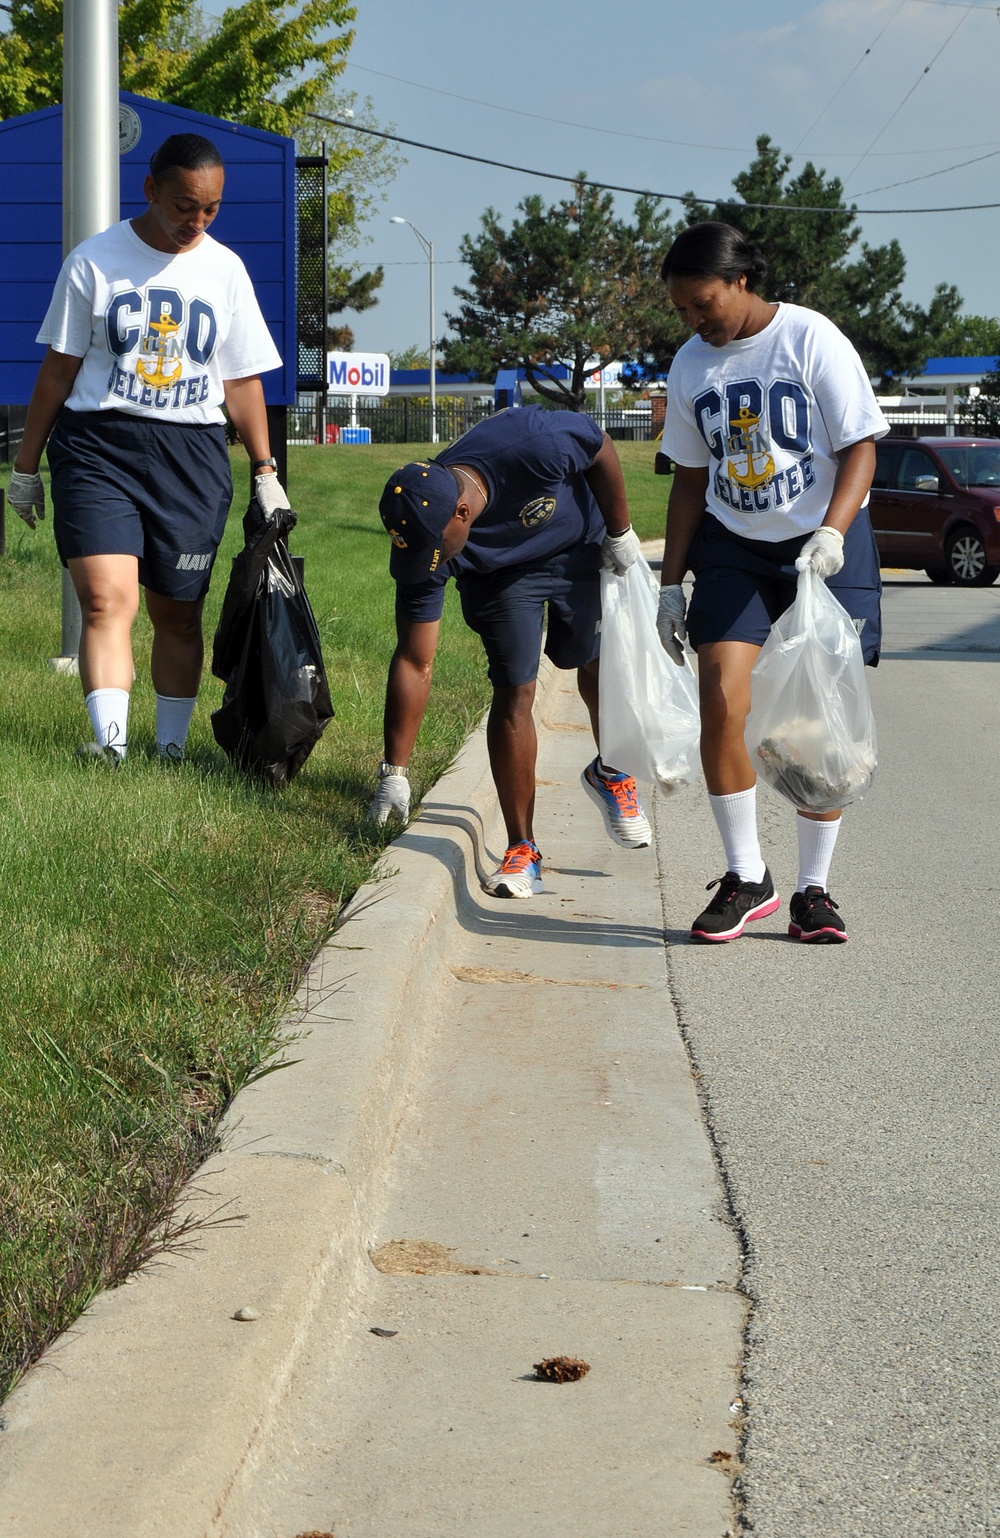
<point x="505" y="1083"/>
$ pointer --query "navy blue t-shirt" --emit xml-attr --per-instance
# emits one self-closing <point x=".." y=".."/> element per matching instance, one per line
<point x="540" y="504"/>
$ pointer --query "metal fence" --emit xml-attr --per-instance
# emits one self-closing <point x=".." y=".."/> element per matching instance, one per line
<point x="11" y="430"/>
<point x="405" y="419"/>
<point x="311" y="271"/>
<point x="392" y="420"/>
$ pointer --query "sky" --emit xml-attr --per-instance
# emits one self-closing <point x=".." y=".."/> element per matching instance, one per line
<point x="670" y="97"/>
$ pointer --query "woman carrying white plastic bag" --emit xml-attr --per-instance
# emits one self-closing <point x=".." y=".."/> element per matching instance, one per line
<point x="810" y="732"/>
<point x="771" y="423"/>
<point x="648" y="701"/>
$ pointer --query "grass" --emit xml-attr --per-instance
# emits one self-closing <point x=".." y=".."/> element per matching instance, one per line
<point x="156" y="920"/>
<point x="647" y="493"/>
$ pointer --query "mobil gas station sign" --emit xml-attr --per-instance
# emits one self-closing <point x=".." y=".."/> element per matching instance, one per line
<point x="357" y="373"/>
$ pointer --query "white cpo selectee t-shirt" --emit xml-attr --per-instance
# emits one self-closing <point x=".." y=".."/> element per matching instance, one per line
<point x="767" y="415"/>
<point x="158" y="332"/>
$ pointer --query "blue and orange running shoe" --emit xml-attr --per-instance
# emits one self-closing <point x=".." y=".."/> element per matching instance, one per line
<point x="520" y="873"/>
<point x="618" y="799"/>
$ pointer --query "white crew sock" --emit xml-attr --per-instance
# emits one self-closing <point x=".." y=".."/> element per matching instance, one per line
<point x="816" y="845"/>
<point x="736" y="819"/>
<point x="108" y="712"/>
<point x="173" y="717"/>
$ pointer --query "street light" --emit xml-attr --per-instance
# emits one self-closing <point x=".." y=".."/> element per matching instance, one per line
<point x="428" y="250"/>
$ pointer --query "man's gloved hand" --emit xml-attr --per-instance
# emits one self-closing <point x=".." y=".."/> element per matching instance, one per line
<point x="26" y="495"/>
<point x="670" y="626"/>
<point x="823" y="551"/>
<point x="619" y="551"/>
<point x="392" y="799"/>
<point x="270" y="494"/>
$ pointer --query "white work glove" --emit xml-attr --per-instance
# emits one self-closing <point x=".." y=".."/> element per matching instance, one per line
<point x="619" y="551"/>
<point x="823" y="551"/>
<point x="670" y="626"/>
<point x="392" y="799"/>
<point x="270" y="494"/>
<point x="26" y="495"/>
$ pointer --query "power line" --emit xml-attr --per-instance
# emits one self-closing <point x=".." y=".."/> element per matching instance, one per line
<point x="926" y="176"/>
<point x="849" y="76"/>
<point x="638" y="192"/>
<point x="538" y="117"/>
<point x="925" y="71"/>
<point x="688" y="144"/>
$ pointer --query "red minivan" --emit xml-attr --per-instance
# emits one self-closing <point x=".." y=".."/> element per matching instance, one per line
<point x="935" y="505"/>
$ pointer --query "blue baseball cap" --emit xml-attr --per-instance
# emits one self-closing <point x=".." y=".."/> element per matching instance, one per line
<point x="417" y="505"/>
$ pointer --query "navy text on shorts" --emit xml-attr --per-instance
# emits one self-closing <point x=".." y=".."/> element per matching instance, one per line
<point x="127" y="485"/>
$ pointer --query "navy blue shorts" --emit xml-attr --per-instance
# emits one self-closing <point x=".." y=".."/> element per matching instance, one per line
<point x="741" y="586"/>
<point x="506" y="609"/>
<point x="124" y="485"/>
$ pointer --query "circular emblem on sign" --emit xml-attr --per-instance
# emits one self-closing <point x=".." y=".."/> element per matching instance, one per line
<point x="129" y="129"/>
<point x="536" y="512"/>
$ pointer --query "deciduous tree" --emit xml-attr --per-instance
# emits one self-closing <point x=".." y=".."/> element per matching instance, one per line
<point x="360" y="168"/>
<point x="267" y="63"/>
<point x="970" y="336"/>
<point x="979" y="416"/>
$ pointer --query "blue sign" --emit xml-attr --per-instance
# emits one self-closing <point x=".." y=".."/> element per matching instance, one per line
<point x="257" y="220"/>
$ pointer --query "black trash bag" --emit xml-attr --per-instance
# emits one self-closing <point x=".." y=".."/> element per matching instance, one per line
<point x="267" y="653"/>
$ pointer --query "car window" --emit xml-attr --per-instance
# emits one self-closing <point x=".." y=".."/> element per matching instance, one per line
<point x="979" y="466"/>
<point x="886" y="455"/>
<point x="984" y="467"/>
<point x="916" y="468"/>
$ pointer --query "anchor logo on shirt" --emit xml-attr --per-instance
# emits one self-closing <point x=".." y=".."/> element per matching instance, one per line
<point x="160" y="348"/>
<point x="748" y="443"/>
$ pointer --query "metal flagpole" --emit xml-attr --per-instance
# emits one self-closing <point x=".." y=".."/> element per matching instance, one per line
<point x="90" y="183"/>
<point x="433" y="359"/>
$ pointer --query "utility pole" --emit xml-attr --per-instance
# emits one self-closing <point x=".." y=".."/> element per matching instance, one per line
<point x="90" y="177"/>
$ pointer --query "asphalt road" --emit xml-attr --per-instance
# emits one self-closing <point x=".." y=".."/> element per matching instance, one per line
<point x="852" y="1091"/>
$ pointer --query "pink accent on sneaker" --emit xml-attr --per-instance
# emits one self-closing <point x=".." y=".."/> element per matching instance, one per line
<point x="769" y="905"/>
<point x="828" y="932"/>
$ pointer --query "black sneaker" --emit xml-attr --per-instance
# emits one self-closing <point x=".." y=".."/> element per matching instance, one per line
<point x="733" y="906"/>
<point x="814" y="918"/>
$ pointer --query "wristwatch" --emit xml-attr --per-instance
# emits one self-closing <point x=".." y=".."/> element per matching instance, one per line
<point x="385" y="769"/>
<point x="259" y="463"/>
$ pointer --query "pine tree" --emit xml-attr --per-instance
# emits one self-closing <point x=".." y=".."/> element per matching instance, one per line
<point x="569" y="284"/>
<point x="809" y="256"/>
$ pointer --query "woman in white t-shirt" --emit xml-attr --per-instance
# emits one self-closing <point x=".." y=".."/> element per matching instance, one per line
<point x="771" y="424"/>
<point x="153" y="327"/>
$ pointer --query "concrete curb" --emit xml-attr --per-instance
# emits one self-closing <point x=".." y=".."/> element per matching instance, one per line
<point x="137" y="1423"/>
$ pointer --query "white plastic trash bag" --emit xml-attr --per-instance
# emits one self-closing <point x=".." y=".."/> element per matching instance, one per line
<point x="649" y="718"/>
<point x="811" y="733"/>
